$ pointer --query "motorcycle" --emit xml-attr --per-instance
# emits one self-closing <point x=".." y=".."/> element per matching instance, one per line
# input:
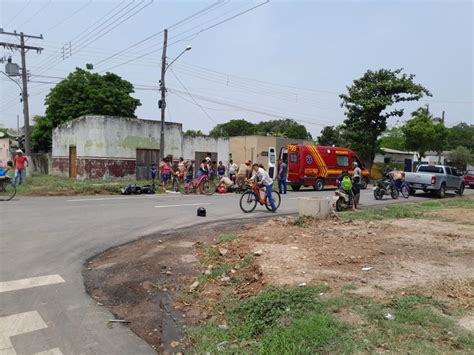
<point x="343" y="200"/>
<point x="385" y="187"/>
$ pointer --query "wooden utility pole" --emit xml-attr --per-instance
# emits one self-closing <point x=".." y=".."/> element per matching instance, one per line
<point x="24" y="75"/>
<point x="162" y="102"/>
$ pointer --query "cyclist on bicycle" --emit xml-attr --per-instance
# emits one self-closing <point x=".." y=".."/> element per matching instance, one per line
<point x="264" y="181"/>
<point x="204" y="167"/>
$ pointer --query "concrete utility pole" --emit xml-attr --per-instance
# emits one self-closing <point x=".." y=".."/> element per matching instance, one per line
<point x="22" y="47"/>
<point x="162" y="102"/>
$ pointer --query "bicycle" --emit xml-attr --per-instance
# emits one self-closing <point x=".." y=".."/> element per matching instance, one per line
<point x="249" y="199"/>
<point x="7" y="189"/>
<point x="404" y="189"/>
<point x="203" y="183"/>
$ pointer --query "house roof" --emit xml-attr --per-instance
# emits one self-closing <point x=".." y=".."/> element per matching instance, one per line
<point x="394" y="151"/>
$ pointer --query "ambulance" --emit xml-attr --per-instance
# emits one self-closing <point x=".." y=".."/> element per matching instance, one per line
<point x="319" y="166"/>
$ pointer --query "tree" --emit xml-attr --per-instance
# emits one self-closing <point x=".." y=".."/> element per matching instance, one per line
<point x="41" y="134"/>
<point x="393" y="138"/>
<point x="84" y="93"/>
<point x="440" y="138"/>
<point x="283" y="128"/>
<point x="193" y="133"/>
<point x="368" y="106"/>
<point x="461" y="134"/>
<point x="460" y="157"/>
<point x="420" y="132"/>
<point x="330" y="136"/>
<point x="233" y="128"/>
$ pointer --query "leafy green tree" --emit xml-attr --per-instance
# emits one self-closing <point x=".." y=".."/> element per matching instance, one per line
<point x="440" y="138"/>
<point x="285" y="128"/>
<point x="193" y="133"/>
<point x="83" y="93"/>
<point x="41" y="134"/>
<point x="393" y="138"/>
<point x="420" y="132"/>
<point x="461" y="134"/>
<point x="368" y="106"/>
<point x="233" y="128"/>
<point x="460" y="157"/>
<point x="331" y="135"/>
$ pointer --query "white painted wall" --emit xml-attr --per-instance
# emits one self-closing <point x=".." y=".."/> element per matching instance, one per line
<point x="5" y="153"/>
<point x="206" y="144"/>
<point x="114" y="137"/>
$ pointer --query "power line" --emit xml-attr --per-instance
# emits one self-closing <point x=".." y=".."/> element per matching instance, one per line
<point x="18" y="13"/>
<point x="70" y="16"/>
<point x="36" y="13"/>
<point x="192" y="97"/>
<point x="197" y="33"/>
<point x="207" y="8"/>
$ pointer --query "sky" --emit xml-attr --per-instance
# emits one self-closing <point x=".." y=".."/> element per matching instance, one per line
<point x="284" y="59"/>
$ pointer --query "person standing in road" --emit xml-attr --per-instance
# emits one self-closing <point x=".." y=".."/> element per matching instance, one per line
<point x="221" y="170"/>
<point x="244" y="172"/>
<point x="282" y="176"/>
<point x="356" y="179"/>
<point x="232" y="170"/>
<point x="165" y="170"/>
<point x="21" y="162"/>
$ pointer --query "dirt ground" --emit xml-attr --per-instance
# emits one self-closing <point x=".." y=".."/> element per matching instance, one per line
<point x="150" y="282"/>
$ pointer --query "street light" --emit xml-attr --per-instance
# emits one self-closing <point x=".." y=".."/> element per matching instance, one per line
<point x="188" y="48"/>
<point x="162" y="101"/>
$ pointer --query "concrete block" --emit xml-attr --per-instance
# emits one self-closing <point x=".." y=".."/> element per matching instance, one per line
<point x="316" y="207"/>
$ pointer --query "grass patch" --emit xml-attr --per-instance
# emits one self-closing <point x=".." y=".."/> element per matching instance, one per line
<point x="46" y="185"/>
<point x="408" y="210"/>
<point x="226" y="237"/>
<point x="298" y="321"/>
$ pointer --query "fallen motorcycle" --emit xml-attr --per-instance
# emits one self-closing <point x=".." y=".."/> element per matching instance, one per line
<point x="343" y="200"/>
<point x="385" y="187"/>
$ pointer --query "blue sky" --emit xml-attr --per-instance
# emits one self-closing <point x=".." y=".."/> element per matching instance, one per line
<point x="312" y="49"/>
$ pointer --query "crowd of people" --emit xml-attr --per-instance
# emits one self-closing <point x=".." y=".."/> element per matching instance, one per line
<point x="228" y="177"/>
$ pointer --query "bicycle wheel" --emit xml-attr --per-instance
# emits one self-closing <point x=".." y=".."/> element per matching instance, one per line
<point x="7" y="190"/>
<point x="248" y="201"/>
<point x="186" y="188"/>
<point x="209" y="187"/>
<point x="405" y="190"/>
<point x="276" y="197"/>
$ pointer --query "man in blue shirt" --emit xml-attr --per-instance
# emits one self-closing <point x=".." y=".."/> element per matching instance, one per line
<point x="282" y="175"/>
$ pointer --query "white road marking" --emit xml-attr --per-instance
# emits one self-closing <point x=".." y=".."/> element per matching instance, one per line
<point x="14" y="285"/>
<point x="183" y="205"/>
<point x="54" y="351"/>
<point x="177" y="194"/>
<point x="17" y="324"/>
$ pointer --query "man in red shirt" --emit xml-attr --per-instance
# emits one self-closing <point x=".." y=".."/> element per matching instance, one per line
<point x="20" y="165"/>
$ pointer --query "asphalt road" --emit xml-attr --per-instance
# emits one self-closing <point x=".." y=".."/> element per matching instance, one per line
<point x="45" y="241"/>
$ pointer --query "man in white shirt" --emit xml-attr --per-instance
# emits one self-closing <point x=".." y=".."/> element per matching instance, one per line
<point x="266" y="181"/>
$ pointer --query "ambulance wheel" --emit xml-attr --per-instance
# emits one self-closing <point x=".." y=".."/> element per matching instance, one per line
<point x="295" y="187"/>
<point x="319" y="185"/>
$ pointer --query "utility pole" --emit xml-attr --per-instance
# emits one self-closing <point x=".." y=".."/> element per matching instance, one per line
<point x="22" y="47"/>
<point x="162" y="102"/>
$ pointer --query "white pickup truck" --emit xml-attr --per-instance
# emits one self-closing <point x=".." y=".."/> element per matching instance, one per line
<point x="435" y="179"/>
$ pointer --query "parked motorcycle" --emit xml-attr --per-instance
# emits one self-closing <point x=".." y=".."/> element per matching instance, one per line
<point x="342" y="200"/>
<point x="385" y="187"/>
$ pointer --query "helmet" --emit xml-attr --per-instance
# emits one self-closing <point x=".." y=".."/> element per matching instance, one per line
<point x="201" y="212"/>
<point x="355" y="163"/>
<point x="208" y="159"/>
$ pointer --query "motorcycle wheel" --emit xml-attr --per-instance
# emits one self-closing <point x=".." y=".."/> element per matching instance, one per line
<point x="394" y="194"/>
<point x="340" y="204"/>
<point x="378" y="194"/>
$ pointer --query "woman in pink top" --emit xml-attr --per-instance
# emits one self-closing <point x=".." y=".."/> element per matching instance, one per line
<point x="165" y="170"/>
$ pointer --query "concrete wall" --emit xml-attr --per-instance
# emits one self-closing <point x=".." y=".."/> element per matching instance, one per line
<point x="5" y="153"/>
<point x="106" y="146"/>
<point x="206" y="144"/>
